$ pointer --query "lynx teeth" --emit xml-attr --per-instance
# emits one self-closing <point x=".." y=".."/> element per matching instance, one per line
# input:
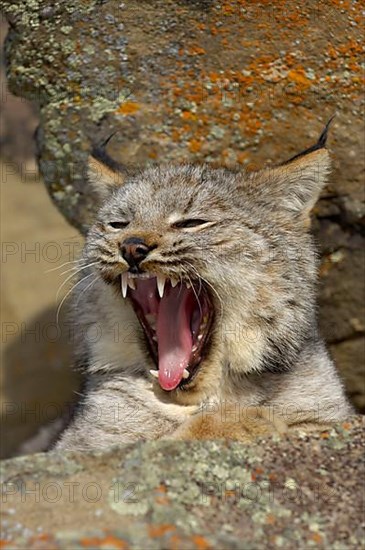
<point x="132" y="283"/>
<point x="124" y="284"/>
<point x="185" y="375"/>
<point x="161" y="279"/>
<point x="130" y="280"/>
<point x="173" y="282"/>
<point x="140" y="275"/>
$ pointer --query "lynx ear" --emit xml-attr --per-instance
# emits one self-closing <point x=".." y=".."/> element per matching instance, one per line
<point x="297" y="183"/>
<point x="303" y="179"/>
<point x="102" y="178"/>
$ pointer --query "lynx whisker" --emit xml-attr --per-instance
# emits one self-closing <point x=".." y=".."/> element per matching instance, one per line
<point x="68" y="294"/>
<point x="196" y="296"/>
<point x="73" y="275"/>
<point x="62" y="265"/>
<point x="76" y="270"/>
<point x="208" y="283"/>
<point x="86" y="289"/>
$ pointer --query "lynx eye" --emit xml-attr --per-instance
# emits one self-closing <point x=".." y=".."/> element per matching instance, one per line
<point x="118" y="225"/>
<point x="185" y="224"/>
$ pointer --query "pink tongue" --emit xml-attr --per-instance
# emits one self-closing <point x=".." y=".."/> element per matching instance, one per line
<point x="174" y="335"/>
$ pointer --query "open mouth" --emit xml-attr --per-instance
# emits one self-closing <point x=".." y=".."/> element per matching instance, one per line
<point x="177" y="319"/>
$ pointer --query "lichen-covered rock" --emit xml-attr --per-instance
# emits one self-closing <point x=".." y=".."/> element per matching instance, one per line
<point x="222" y="82"/>
<point x="305" y="491"/>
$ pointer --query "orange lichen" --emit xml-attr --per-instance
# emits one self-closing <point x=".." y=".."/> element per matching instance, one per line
<point x="242" y="157"/>
<point x="44" y="541"/>
<point x="196" y="50"/>
<point x="187" y="115"/>
<point x="229" y="493"/>
<point x="200" y="542"/>
<point x="114" y="542"/>
<point x="107" y="542"/>
<point x="160" y="530"/>
<point x="194" y="145"/>
<point x="128" y="108"/>
<point x="256" y="472"/>
<point x="162" y="500"/>
<point x="298" y="76"/>
<point x="153" y="154"/>
<point x="161" y="496"/>
<point x="270" y="519"/>
<point x="316" y="537"/>
<point x="90" y="541"/>
<point x="244" y="95"/>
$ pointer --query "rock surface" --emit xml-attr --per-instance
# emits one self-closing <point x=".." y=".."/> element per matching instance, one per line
<point x="298" y="492"/>
<point x="232" y="83"/>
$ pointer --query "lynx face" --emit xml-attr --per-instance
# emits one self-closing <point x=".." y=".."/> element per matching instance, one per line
<point x="218" y="265"/>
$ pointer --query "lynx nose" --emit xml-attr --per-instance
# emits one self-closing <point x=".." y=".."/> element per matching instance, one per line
<point x="134" y="250"/>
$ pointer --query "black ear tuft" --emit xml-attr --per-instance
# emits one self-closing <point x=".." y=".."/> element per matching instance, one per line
<point x="99" y="153"/>
<point x="321" y="143"/>
<point x="104" y="173"/>
<point x="323" y="137"/>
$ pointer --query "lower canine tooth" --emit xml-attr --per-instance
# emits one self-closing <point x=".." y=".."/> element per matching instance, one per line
<point x="154" y="373"/>
<point x="124" y="284"/>
<point x="186" y="373"/>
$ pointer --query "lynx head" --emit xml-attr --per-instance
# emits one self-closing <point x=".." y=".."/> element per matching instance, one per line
<point x="218" y="266"/>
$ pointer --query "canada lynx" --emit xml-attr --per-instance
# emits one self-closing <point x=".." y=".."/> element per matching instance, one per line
<point x="198" y="286"/>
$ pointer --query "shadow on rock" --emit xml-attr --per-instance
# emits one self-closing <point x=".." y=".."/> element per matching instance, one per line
<point x="38" y="384"/>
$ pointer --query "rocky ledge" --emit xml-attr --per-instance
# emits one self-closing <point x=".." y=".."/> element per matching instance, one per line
<point x="302" y="491"/>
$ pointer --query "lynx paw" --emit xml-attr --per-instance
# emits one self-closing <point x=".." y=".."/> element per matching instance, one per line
<point x="255" y="422"/>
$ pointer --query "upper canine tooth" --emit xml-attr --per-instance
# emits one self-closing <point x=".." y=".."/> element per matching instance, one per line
<point x="188" y="285"/>
<point x="132" y="283"/>
<point x="124" y="284"/>
<point x="173" y="282"/>
<point x="161" y="279"/>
